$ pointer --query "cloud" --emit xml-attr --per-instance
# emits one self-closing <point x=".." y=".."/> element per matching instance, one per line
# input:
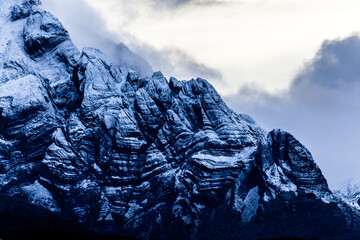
<point x="182" y="3"/>
<point x="321" y="108"/>
<point x="88" y="29"/>
<point x="332" y="79"/>
<point x="335" y="65"/>
<point x="177" y="63"/>
<point x="83" y="22"/>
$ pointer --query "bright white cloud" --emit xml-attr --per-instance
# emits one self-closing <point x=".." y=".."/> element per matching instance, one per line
<point x="248" y="40"/>
<point x="87" y="28"/>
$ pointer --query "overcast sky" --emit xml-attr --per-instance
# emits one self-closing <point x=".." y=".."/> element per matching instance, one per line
<point x="291" y="64"/>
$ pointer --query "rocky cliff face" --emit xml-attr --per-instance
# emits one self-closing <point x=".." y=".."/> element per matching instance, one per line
<point x="145" y="157"/>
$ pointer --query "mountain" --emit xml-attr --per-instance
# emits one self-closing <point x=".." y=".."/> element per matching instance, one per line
<point x="145" y="157"/>
<point x="350" y="194"/>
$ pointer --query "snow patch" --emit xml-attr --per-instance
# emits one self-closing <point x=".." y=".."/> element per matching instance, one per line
<point x="37" y="194"/>
<point x="97" y="168"/>
<point x="224" y="159"/>
<point x="133" y="208"/>
<point x="328" y="198"/>
<point x="109" y="217"/>
<point x="211" y="161"/>
<point x="21" y="93"/>
<point x="86" y="183"/>
<point x="267" y="197"/>
<point x="246" y="155"/>
<point x="278" y="179"/>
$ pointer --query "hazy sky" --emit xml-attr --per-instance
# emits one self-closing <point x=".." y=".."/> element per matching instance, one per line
<point x="291" y="64"/>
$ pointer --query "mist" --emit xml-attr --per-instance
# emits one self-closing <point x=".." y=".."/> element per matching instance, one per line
<point x="88" y="29"/>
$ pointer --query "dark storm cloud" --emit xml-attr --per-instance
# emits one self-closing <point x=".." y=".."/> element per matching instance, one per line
<point x="332" y="78"/>
<point x="321" y="107"/>
<point x="336" y="65"/>
<point x="87" y="28"/>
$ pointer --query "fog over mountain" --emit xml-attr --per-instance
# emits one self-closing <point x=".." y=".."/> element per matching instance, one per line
<point x="87" y="28"/>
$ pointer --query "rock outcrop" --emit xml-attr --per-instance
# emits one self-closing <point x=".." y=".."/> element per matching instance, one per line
<point x="145" y="157"/>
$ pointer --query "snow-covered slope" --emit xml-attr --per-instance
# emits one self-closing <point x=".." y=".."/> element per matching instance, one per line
<point x="148" y="157"/>
<point x="350" y="194"/>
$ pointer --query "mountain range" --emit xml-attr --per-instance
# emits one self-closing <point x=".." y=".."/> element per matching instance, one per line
<point x="89" y="147"/>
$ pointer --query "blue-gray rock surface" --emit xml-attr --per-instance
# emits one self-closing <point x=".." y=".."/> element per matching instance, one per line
<point x="150" y="158"/>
